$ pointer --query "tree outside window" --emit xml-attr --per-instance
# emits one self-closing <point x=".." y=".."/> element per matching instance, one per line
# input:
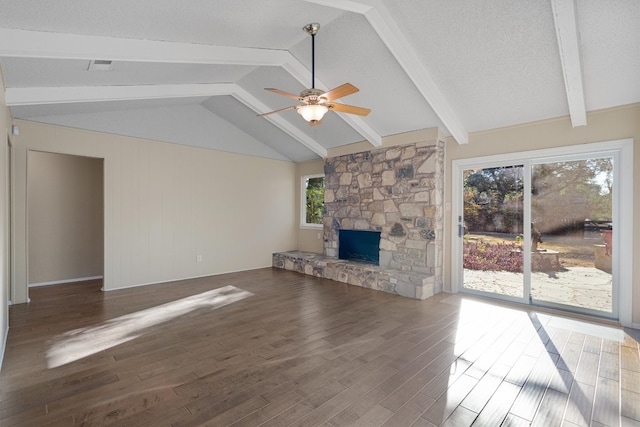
<point x="313" y="201"/>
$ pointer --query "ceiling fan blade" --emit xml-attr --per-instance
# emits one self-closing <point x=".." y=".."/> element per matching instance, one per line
<point x="276" y="111"/>
<point x="340" y="91"/>
<point x="283" y="93"/>
<point x="350" y="109"/>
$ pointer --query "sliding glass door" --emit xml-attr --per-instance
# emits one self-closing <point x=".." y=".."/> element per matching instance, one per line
<point x="541" y="229"/>
<point x="491" y="227"/>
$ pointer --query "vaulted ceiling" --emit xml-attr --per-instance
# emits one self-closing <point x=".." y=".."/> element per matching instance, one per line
<point x="194" y="72"/>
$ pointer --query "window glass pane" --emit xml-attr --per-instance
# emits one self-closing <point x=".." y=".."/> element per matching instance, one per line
<point x="493" y="225"/>
<point x="572" y="210"/>
<point x="314" y="204"/>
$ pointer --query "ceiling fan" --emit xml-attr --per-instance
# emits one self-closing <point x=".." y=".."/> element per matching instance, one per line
<point x="316" y="102"/>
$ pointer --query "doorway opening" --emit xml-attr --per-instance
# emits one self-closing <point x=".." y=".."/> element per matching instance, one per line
<point x="65" y="223"/>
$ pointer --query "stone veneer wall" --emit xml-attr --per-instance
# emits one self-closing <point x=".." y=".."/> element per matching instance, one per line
<point x="397" y="191"/>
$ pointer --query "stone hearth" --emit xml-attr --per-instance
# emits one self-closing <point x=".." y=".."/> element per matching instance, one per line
<point x="403" y="283"/>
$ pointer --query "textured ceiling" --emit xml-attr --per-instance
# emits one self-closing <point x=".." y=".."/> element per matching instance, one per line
<point x="194" y="73"/>
<point x="498" y="61"/>
<point x="245" y="23"/>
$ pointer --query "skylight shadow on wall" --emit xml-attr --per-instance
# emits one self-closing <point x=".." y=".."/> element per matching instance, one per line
<point x="83" y="342"/>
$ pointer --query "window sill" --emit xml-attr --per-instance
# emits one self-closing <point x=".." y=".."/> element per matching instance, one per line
<point x="312" y="226"/>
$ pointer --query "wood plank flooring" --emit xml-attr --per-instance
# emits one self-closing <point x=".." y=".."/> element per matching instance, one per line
<point x="275" y="348"/>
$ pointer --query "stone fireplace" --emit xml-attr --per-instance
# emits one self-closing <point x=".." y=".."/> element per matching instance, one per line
<point x="396" y="192"/>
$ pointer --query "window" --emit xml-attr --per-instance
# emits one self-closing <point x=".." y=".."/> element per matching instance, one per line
<point x="312" y="201"/>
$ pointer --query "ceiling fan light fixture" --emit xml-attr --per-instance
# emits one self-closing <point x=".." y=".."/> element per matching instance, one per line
<point x="316" y="101"/>
<point x="312" y="112"/>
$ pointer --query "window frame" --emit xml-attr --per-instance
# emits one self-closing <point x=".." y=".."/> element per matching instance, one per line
<point x="303" y="201"/>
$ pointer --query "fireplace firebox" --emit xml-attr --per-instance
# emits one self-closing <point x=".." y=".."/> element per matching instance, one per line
<point x="359" y="245"/>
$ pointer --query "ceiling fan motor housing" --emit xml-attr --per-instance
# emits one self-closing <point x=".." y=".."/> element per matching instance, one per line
<point x="313" y="96"/>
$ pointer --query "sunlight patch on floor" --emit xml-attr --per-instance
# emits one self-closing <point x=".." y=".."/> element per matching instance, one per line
<point x="601" y="331"/>
<point x="479" y="316"/>
<point x="79" y="343"/>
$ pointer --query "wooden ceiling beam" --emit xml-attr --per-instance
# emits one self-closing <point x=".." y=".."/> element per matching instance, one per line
<point x="16" y="97"/>
<point x="36" y="44"/>
<point x="564" y="17"/>
<point x="390" y="33"/>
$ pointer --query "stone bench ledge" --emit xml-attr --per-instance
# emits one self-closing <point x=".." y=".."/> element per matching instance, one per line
<point x="408" y="283"/>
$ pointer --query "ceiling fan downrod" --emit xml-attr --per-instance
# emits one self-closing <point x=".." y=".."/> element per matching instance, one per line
<point x="312" y="29"/>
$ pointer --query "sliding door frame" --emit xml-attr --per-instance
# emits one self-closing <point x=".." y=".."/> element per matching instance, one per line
<point x="622" y="244"/>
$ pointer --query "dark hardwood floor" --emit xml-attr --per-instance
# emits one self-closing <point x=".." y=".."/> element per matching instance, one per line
<point x="276" y="348"/>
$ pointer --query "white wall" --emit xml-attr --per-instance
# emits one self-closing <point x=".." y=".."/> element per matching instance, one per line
<point x="65" y="223"/>
<point x="165" y="204"/>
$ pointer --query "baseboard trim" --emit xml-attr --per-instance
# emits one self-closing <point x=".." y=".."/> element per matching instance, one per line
<point x="633" y="325"/>
<point x="58" y="282"/>
<point x="184" y="278"/>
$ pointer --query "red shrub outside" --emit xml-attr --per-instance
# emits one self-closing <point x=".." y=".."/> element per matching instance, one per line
<point x="493" y="257"/>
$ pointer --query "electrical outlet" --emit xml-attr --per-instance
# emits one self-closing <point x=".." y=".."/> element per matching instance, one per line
<point x="198" y="258"/>
<point x="319" y="236"/>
